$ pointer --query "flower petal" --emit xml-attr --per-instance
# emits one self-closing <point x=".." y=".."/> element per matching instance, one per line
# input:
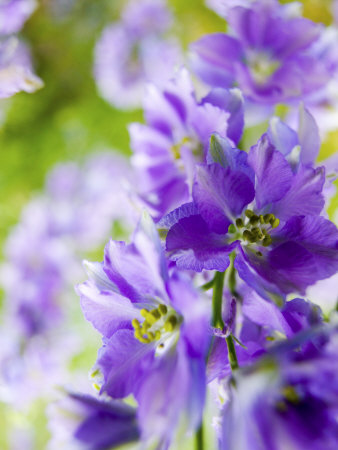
<point x="273" y="172"/>
<point x="122" y="361"/>
<point x="221" y="195"/>
<point x="195" y="247"/>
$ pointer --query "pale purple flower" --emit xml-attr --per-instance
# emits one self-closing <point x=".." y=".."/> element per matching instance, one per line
<point x="16" y="69"/>
<point x="155" y="331"/>
<point x="270" y="54"/>
<point x="14" y="13"/>
<point x="146" y="17"/>
<point x="133" y="52"/>
<point x="74" y="215"/>
<point x="176" y="137"/>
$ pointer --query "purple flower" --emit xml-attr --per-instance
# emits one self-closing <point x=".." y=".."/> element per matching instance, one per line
<point x="269" y="54"/>
<point x="301" y="147"/>
<point x="142" y="18"/>
<point x="90" y="187"/>
<point x="133" y="52"/>
<point x="176" y="136"/>
<point x="15" y="68"/>
<point x="287" y="400"/>
<point x="155" y="330"/>
<point x="259" y="326"/>
<point x="221" y="7"/>
<point x="14" y="13"/>
<point x="256" y="205"/>
<point x="84" y="421"/>
<point x="42" y="251"/>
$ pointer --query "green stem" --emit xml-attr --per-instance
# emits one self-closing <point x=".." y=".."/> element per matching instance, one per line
<point x="232" y="275"/>
<point x="199" y="438"/>
<point x="217" y="297"/>
<point x="232" y="353"/>
<point x="208" y="285"/>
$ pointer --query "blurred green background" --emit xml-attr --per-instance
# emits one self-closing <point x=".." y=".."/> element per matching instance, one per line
<point x="66" y="119"/>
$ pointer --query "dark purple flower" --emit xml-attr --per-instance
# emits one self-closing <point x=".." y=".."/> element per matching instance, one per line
<point x="84" y="421"/>
<point x="286" y="400"/>
<point x="259" y="326"/>
<point x="269" y="54"/>
<point x="176" y="136"/>
<point x="256" y="205"/>
<point x="155" y="330"/>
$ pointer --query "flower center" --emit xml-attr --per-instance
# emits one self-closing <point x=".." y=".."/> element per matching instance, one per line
<point x="289" y="396"/>
<point x="194" y="145"/>
<point x="159" y="322"/>
<point x="253" y="228"/>
<point x="262" y="66"/>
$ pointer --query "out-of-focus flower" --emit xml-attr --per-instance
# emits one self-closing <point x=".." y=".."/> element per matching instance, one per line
<point x="222" y="7"/>
<point x="87" y="199"/>
<point x="135" y="51"/>
<point x="259" y="326"/>
<point x="81" y="421"/>
<point x="74" y="215"/>
<point x="270" y="54"/>
<point x="176" y="137"/>
<point x="287" y="400"/>
<point x="14" y="13"/>
<point x="146" y="17"/>
<point x="155" y="329"/>
<point x="15" y="68"/>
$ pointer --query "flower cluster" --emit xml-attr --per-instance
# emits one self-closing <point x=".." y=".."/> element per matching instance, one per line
<point x="74" y="216"/>
<point x="210" y="293"/>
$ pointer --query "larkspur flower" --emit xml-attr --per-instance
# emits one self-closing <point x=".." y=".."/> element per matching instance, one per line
<point x="262" y="208"/>
<point x="176" y="137"/>
<point x="135" y="51"/>
<point x="41" y="252"/>
<point x="74" y="214"/>
<point x="259" y="325"/>
<point x="155" y="333"/>
<point x="84" y="421"/>
<point x="289" y="399"/>
<point x="270" y="54"/>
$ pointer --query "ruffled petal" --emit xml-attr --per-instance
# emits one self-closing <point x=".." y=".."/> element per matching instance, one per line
<point x="304" y="196"/>
<point x="282" y="136"/>
<point x="213" y="59"/>
<point x="221" y="194"/>
<point x="231" y="101"/>
<point x="122" y="361"/>
<point x="106" y="310"/>
<point x="309" y="139"/>
<point x="273" y="173"/>
<point x="194" y="247"/>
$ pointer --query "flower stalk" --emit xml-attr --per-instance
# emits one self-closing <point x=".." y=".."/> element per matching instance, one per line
<point x="217" y="297"/>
